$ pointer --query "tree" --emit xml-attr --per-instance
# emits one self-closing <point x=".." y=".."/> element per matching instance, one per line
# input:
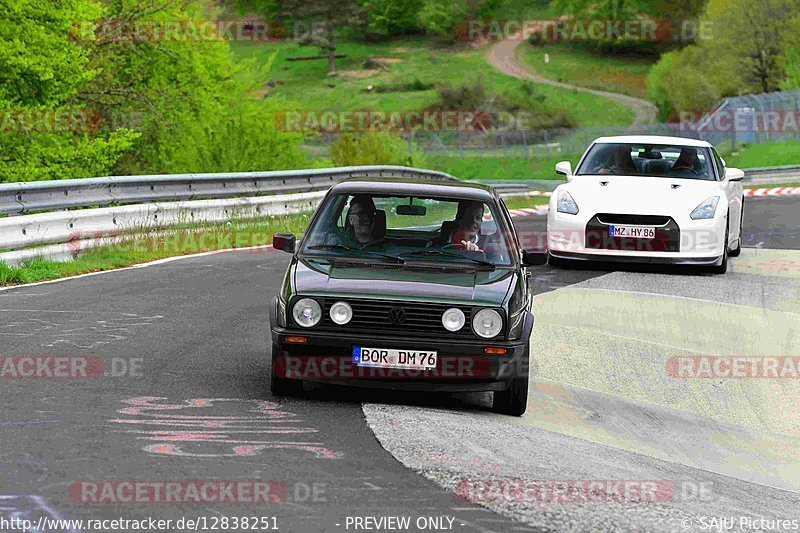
<point x="316" y="21"/>
<point x="191" y="100"/>
<point x="791" y="59"/>
<point x="42" y="68"/>
<point x="755" y="32"/>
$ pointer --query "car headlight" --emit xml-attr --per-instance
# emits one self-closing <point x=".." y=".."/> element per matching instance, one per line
<point x="487" y="323"/>
<point x="565" y="203"/>
<point x="453" y="319"/>
<point x="307" y="312"/>
<point x="341" y="313"/>
<point x="706" y="209"/>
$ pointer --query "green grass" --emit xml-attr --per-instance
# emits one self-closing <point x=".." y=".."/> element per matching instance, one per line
<point x="306" y="82"/>
<point x="765" y="155"/>
<point x="578" y="65"/>
<point x="498" y="168"/>
<point x="518" y="202"/>
<point x="143" y="248"/>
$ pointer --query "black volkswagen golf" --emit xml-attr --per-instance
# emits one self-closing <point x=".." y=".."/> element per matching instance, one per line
<point x="413" y="285"/>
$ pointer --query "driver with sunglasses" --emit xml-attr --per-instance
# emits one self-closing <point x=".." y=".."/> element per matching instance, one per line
<point x="360" y="224"/>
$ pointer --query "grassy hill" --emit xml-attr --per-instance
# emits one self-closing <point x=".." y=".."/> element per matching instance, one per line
<point x="409" y="61"/>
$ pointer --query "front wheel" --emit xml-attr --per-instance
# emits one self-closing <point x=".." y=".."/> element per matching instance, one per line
<point x="514" y="400"/>
<point x="279" y="385"/>
<point x="738" y="250"/>
<point x="722" y="267"/>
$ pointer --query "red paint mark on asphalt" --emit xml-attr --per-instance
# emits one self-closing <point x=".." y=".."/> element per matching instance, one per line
<point x="239" y="435"/>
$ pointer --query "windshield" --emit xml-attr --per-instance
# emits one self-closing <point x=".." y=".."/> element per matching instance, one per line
<point x="401" y="230"/>
<point x="670" y="161"/>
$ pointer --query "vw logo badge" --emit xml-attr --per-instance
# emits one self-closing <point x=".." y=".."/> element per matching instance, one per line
<point x="397" y="316"/>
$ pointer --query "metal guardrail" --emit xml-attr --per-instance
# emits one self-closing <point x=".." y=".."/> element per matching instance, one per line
<point x="30" y="197"/>
<point x="766" y="174"/>
<point x="133" y="204"/>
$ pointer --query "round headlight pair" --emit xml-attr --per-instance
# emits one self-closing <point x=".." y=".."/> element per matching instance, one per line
<point x="486" y="323"/>
<point x="307" y="312"/>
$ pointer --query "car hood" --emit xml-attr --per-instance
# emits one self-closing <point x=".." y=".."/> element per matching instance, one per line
<point x="639" y="194"/>
<point x="319" y="277"/>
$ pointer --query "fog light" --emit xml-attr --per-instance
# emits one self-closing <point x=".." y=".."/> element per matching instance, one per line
<point x="341" y="313"/>
<point x="453" y="319"/>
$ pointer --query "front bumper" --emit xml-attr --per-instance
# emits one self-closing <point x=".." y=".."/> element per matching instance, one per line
<point x="462" y="366"/>
<point x="682" y="241"/>
<point x="664" y="259"/>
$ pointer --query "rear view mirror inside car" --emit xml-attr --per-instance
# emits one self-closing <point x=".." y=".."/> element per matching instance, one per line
<point x="411" y="210"/>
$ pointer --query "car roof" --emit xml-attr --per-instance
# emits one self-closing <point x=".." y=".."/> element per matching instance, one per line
<point x="653" y="139"/>
<point x="415" y="187"/>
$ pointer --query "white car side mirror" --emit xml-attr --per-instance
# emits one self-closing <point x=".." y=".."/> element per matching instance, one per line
<point x="565" y="169"/>
<point x="734" y="174"/>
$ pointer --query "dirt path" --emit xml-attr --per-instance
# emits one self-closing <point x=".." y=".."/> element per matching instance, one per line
<point x="502" y="57"/>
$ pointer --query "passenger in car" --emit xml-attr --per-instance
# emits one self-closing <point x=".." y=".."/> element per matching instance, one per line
<point x="620" y="163"/>
<point x="464" y="233"/>
<point x="687" y="161"/>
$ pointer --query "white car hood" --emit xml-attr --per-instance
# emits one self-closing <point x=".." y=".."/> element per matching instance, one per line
<point x="639" y="194"/>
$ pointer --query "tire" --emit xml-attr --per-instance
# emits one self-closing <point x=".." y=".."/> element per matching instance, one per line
<point x="514" y="400"/>
<point x="280" y="386"/>
<point x="722" y="267"/>
<point x="738" y="250"/>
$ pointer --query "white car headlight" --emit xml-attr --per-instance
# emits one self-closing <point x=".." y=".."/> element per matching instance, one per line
<point x="487" y="323"/>
<point x="307" y="312"/>
<point x="565" y="203"/>
<point x="453" y="319"/>
<point x="341" y="313"/>
<point x="705" y="209"/>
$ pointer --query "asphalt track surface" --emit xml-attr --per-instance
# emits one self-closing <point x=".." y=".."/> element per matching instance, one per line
<point x="199" y="408"/>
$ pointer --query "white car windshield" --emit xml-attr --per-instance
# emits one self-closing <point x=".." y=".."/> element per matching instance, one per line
<point x="669" y="161"/>
<point x="405" y="229"/>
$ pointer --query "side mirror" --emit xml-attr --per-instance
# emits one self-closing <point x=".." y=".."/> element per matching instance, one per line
<point x="284" y="241"/>
<point x="734" y="174"/>
<point x="534" y="257"/>
<point x="564" y="168"/>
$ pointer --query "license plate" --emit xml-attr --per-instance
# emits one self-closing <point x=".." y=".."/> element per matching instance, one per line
<point x="636" y="232"/>
<point x="394" y="358"/>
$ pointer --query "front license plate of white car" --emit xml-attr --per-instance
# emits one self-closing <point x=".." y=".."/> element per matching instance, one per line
<point x="393" y="358"/>
<point x="636" y="232"/>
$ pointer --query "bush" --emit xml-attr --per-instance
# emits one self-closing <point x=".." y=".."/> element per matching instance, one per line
<point x="524" y="105"/>
<point x="375" y="147"/>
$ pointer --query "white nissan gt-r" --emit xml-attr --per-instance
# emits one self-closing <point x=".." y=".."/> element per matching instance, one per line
<point x="647" y="199"/>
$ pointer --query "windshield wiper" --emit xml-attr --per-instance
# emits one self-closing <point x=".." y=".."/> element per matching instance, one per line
<point x="441" y="253"/>
<point x="342" y="247"/>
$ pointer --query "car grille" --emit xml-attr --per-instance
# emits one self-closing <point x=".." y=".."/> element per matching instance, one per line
<point x="634" y="220"/>
<point x="376" y="316"/>
<point x="667" y="238"/>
